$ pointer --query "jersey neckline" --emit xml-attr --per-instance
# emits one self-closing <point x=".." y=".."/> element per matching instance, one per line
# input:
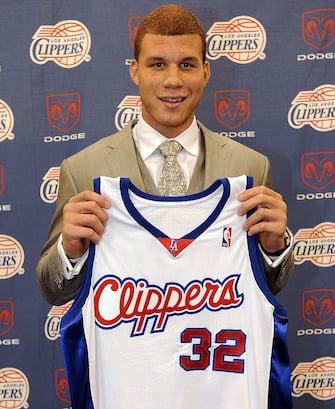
<point x="126" y="186"/>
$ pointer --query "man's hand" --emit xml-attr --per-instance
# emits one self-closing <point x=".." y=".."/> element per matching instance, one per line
<point x="84" y="220"/>
<point x="269" y="218"/>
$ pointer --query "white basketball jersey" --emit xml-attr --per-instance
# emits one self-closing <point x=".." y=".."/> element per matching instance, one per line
<point x="174" y="311"/>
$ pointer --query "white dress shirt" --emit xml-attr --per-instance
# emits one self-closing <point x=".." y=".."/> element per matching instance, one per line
<point x="147" y="141"/>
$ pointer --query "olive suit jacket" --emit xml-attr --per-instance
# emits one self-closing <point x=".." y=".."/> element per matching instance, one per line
<point x="116" y="155"/>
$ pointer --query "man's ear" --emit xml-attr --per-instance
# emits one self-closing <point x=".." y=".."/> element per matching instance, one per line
<point x="133" y="71"/>
<point x="207" y="72"/>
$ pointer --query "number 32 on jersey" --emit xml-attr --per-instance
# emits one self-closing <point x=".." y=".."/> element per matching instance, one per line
<point x="224" y="356"/>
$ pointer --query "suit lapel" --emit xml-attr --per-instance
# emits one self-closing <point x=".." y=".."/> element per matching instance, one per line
<point x="217" y="162"/>
<point x="121" y="157"/>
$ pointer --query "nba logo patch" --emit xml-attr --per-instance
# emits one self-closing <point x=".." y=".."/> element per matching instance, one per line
<point x="226" y="236"/>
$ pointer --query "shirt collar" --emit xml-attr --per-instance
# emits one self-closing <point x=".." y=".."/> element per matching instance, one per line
<point x="147" y="139"/>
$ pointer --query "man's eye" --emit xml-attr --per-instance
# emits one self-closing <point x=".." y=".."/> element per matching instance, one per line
<point x="187" y="65"/>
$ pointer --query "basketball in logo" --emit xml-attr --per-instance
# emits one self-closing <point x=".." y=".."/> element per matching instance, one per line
<point x="325" y="232"/>
<point x="6" y="121"/>
<point x="78" y="38"/>
<point x="324" y="93"/>
<point x="11" y="257"/>
<point x="242" y="40"/>
<point x="325" y="365"/>
<point x="14" y="389"/>
<point x="249" y="26"/>
<point x="66" y="43"/>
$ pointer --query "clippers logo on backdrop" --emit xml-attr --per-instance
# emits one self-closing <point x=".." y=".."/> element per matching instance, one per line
<point x="315" y="108"/>
<point x="6" y="122"/>
<point x="14" y="389"/>
<point x="6" y="316"/>
<point x="49" y="185"/>
<point x="232" y="107"/>
<point x="128" y="109"/>
<point x="314" y="378"/>
<point x="52" y="323"/>
<point x="11" y="257"/>
<point x="67" y="44"/>
<point x="63" y="110"/>
<point x="316" y="245"/>
<point x="62" y="385"/>
<point x="318" y="32"/>
<point x="242" y="40"/>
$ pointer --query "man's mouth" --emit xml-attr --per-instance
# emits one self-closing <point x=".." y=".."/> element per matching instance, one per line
<point x="172" y="100"/>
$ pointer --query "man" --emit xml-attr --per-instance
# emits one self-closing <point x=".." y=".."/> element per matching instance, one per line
<point x="171" y="73"/>
<point x="171" y="82"/>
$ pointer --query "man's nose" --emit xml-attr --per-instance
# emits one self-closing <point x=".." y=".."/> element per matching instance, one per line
<point x="173" y="77"/>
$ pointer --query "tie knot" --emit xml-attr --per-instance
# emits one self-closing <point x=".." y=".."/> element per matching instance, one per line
<point x="170" y="148"/>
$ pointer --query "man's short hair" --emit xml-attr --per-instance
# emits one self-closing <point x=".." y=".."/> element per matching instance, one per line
<point x="169" y="20"/>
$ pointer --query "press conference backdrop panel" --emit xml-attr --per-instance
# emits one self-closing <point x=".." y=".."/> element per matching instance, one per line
<point x="64" y="84"/>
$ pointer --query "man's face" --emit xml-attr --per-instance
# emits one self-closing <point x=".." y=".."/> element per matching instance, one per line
<point x="171" y="77"/>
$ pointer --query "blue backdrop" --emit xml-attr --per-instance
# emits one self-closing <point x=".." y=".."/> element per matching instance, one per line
<point x="64" y="84"/>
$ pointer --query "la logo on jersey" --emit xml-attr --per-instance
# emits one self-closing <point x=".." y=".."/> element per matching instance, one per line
<point x="175" y="246"/>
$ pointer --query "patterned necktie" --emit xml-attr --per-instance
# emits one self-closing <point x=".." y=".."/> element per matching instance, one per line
<point x="172" y="181"/>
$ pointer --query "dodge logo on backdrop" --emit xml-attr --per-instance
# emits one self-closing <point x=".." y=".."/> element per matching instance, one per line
<point x="318" y="28"/>
<point x="2" y="179"/>
<point x="133" y="23"/>
<point x="62" y="385"/>
<point x="318" y="306"/>
<point x="63" y="110"/>
<point x="232" y="108"/>
<point x="318" y="169"/>
<point x="6" y="316"/>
